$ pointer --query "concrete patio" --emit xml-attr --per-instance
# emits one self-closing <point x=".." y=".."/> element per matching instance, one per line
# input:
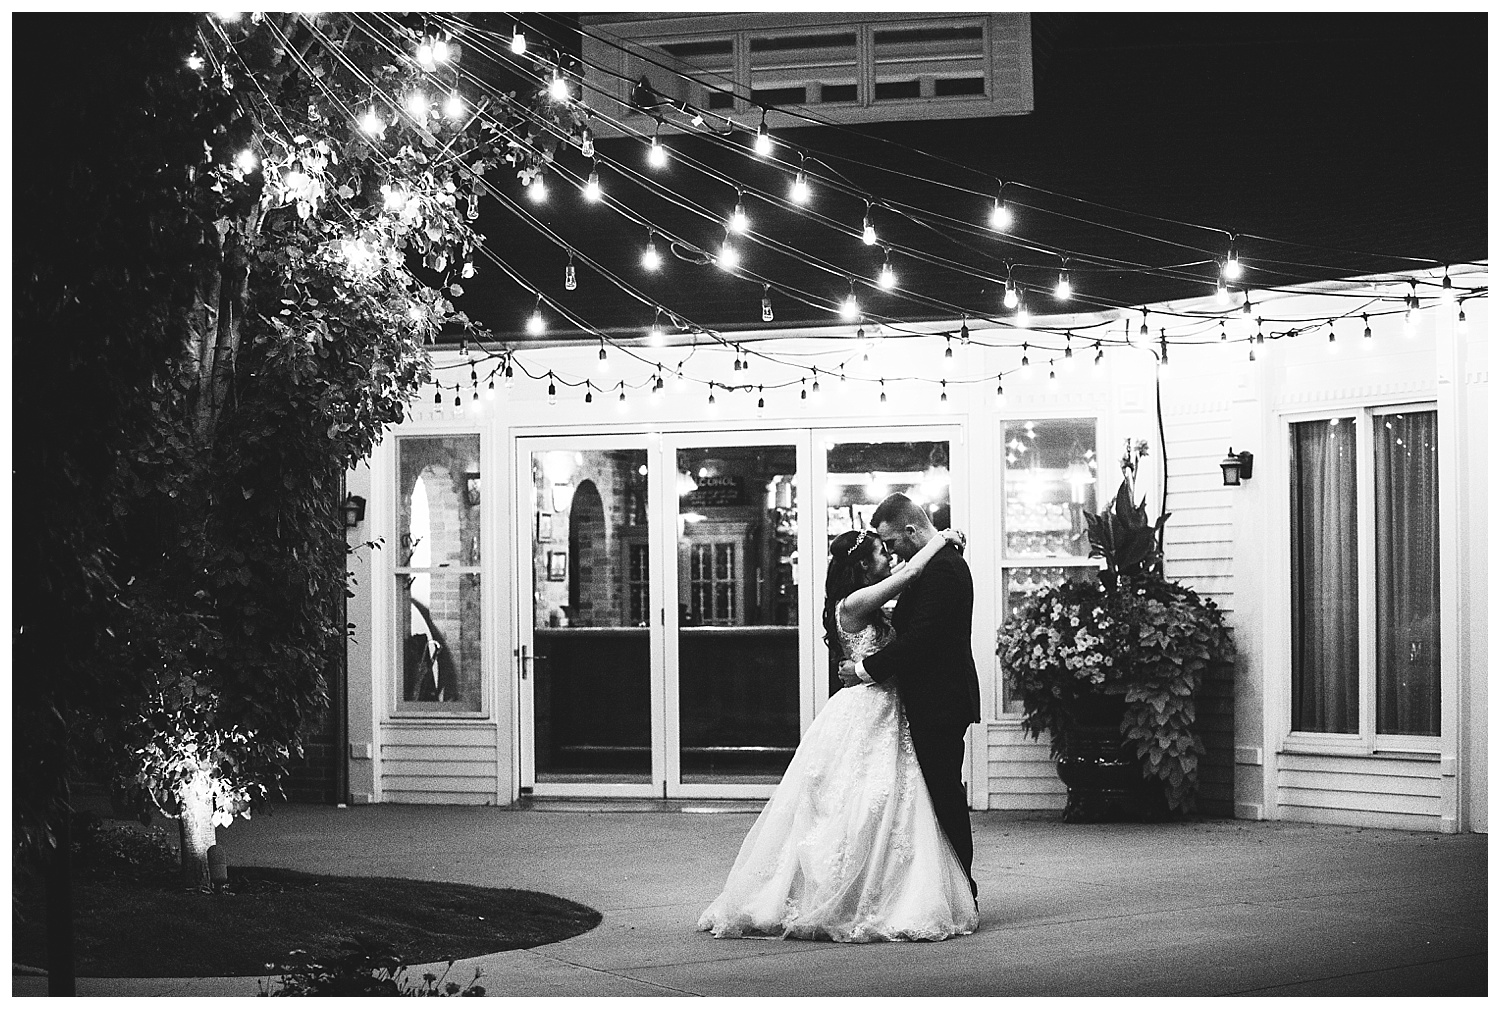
<point x="1213" y="907"/>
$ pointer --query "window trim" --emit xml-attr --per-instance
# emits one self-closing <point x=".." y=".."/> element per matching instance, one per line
<point x="1367" y="742"/>
<point x="392" y="708"/>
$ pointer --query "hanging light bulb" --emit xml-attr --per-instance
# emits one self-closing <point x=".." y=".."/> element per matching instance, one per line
<point x="1025" y="361"/>
<point x="453" y="108"/>
<point x="763" y="137"/>
<point x="458" y="404"/>
<point x="882" y="392"/>
<point x="1252" y="353"/>
<point x="760" y="402"/>
<point x="537" y="190"/>
<point x="729" y="256"/>
<point x="849" y="307"/>
<point x="802" y="395"/>
<point x="656" y="157"/>
<point x="1052" y="375"/>
<point x="424" y="56"/>
<point x="1161" y="368"/>
<point x="710" y="395"/>
<point x="1245" y="309"/>
<point x="1232" y="269"/>
<point x="536" y="324"/>
<point x="766" y="314"/>
<point x="843" y="380"/>
<point x="1144" y="333"/>
<point x="195" y="62"/>
<point x="246" y="161"/>
<point x="651" y="259"/>
<point x="489" y="392"/>
<point x="437" y="401"/>
<point x="1367" y="341"/>
<point x="800" y="193"/>
<point x="738" y="222"/>
<point x="656" y="389"/>
<point x="1221" y="292"/>
<point x="510" y="376"/>
<point x="1333" y="343"/>
<point x="416" y="105"/>
<point x="1068" y="352"/>
<point x="586" y="142"/>
<point x="557" y="88"/>
<point x="816" y="389"/>
<point x="1023" y="318"/>
<point x="654" y="335"/>
<point x="603" y="356"/>
<point x="867" y="235"/>
<point x="371" y="123"/>
<point x="1260" y="331"/>
<point x="518" y="43"/>
<point x="620" y="403"/>
<point x="999" y="392"/>
<point x="1447" y="290"/>
<point x="1223" y="331"/>
<point x="1409" y="322"/>
<point x="588" y="391"/>
<point x="570" y="274"/>
<point x="1064" y="289"/>
<point x="441" y="51"/>
<point x="1011" y="299"/>
<point x="1462" y="326"/>
<point x="1098" y="353"/>
<point x="1000" y="216"/>
<point x="887" y="275"/>
<point x="591" y="190"/>
<point x="551" y="390"/>
<point x="679" y="382"/>
<point x="947" y="352"/>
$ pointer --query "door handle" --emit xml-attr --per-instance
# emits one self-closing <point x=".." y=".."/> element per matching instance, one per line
<point x="525" y="662"/>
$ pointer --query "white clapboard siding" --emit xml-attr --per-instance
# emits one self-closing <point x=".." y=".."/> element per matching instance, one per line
<point x="1022" y="775"/>
<point x="1199" y="539"/>
<point x="436" y="763"/>
<point x="1360" y="791"/>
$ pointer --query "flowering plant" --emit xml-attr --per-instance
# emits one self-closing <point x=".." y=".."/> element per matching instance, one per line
<point x="1134" y="636"/>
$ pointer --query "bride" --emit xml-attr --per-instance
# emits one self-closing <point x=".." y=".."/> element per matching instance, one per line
<point x="848" y="848"/>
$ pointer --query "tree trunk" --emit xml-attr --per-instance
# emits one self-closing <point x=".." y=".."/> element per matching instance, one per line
<point x="195" y="825"/>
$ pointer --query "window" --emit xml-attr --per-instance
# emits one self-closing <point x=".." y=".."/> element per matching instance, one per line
<point x="1049" y="474"/>
<point x="843" y="67"/>
<point x="714" y="583"/>
<point x="1365" y="599"/>
<point x="638" y="584"/>
<point x="437" y="575"/>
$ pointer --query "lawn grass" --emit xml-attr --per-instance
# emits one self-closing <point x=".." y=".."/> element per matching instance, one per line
<point x="148" y="926"/>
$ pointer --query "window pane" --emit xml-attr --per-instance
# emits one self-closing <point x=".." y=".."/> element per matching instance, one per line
<point x="591" y="693"/>
<point x="861" y="474"/>
<point x="1406" y="574"/>
<point x="439" y="629"/>
<point x="438" y="501"/>
<point x="738" y="661"/>
<point x="1325" y="582"/>
<point x="1049" y="477"/>
<point x="1021" y="582"/>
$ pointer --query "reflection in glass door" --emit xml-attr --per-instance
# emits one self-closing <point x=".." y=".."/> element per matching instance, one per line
<point x="738" y="656"/>
<point x="591" y="670"/>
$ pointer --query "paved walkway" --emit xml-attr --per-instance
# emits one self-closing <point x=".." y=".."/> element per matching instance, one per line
<point x="1219" y="907"/>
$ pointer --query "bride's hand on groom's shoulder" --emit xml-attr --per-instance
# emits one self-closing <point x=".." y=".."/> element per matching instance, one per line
<point x="957" y="538"/>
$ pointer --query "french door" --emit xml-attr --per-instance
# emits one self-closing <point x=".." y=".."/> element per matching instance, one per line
<point x="673" y="645"/>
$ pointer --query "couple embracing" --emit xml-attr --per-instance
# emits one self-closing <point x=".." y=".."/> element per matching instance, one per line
<point x="867" y="836"/>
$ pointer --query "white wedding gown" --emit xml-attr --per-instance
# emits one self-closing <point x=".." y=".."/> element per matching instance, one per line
<point x="848" y="848"/>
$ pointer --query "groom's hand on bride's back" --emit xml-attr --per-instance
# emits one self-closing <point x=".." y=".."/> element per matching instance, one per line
<point x="847" y="675"/>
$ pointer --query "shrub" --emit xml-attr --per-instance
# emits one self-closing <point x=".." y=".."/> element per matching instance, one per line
<point x="365" y="967"/>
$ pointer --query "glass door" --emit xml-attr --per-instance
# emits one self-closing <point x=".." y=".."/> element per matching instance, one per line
<point x="739" y="623"/>
<point x="587" y="657"/>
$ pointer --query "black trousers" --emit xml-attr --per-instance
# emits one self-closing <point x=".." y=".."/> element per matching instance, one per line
<point x="940" y="752"/>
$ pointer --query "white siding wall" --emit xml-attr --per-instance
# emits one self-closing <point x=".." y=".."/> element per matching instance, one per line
<point x="1022" y="775"/>
<point x="1368" y="791"/>
<point x="425" y="763"/>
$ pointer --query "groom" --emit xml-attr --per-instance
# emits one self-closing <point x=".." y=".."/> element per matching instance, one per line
<point x="938" y="683"/>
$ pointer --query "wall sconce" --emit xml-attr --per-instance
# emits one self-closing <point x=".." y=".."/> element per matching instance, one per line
<point x="354" y="510"/>
<point x="1237" y="466"/>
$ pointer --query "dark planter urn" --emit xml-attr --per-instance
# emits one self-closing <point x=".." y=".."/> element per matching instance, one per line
<point x="1101" y="771"/>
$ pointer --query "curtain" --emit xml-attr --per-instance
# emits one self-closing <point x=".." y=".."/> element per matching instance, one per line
<point x="1325" y="585"/>
<point x="1406" y="574"/>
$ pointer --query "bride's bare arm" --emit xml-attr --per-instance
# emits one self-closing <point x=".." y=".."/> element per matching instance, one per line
<point x="861" y="604"/>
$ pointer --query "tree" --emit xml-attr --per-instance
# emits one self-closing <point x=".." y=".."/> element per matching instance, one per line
<point x="255" y="239"/>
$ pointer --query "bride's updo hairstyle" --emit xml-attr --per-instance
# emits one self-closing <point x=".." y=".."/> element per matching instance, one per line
<point x="846" y="556"/>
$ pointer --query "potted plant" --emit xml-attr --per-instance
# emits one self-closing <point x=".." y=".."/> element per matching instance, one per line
<point x="1111" y="669"/>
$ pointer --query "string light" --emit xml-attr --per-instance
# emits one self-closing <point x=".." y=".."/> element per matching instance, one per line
<point x="1010" y="290"/>
<point x="437" y="401"/>
<point x="1252" y="353"/>
<point x="1463" y="320"/>
<point x="603" y="356"/>
<point x="868" y="234"/>
<point x="802" y="395"/>
<point x="655" y="336"/>
<point x="620" y="403"/>
<point x="586" y="142"/>
<point x="1068" y="352"/>
<point x="1025" y="361"/>
<point x="651" y="259"/>
<point x="195" y="62"/>
<point x="656" y="388"/>
<point x="416" y="105"/>
<point x="551" y="390"/>
<point x="766" y="314"/>
<point x="1447" y="290"/>
<point x="453" y="108"/>
<point x="458" y="404"/>
<point x="441" y="51"/>
<point x="538" y="189"/>
<point x="1098" y="353"/>
<point x="570" y="274"/>
<point x="1232" y="269"/>
<point x="738" y="222"/>
<point x="1333" y="343"/>
<point x="588" y="391"/>
<point x="1023" y="318"/>
<point x="518" y="43"/>
<point x="999" y="392"/>
<point x="424" y="57"/>
<point x="816" y="389"/>
<point x="1145" y="316"/>
<point x="729" y="256"/>
<point x="947" y="352"/>
<point x="557" y="88"/>
<point x="656" y="157"/>
<point x="246" y="161"/>
<point x="760" y="403"/>
<point x="1161" y="368"/>
<point x="372" y="124"/>
<point x="679" y="382"/>
<point x="763" y="137"/>
<point x="510" y="377"/>
<point x="536" y="325"/>
<point x="489" y="392"/>
<point x="1366" y="343"/>
<point x="1064" y="289"/>
<point x="849" y="308"/>
<point x="591" y="190"/>
<point x="887" y="275"/>
<point x="710" y="395"/>
<point x="882" y="392"/>
<point x="1245" y="309"/>
<point x="1052" y="375"/>
<point x="1221" y="293"/>
<point x="943" y="396"/>
<point x="1000" y="216"/>
<point x="800" y="193"/>
<point x="1223" y="331"/>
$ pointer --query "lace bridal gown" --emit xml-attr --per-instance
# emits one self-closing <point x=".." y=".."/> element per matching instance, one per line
<point x="847" y="848"/>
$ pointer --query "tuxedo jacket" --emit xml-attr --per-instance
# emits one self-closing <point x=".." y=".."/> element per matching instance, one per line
<point x="931" y="653"/>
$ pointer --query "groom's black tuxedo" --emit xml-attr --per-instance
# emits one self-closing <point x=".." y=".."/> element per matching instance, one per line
<point x="938" y="684"/>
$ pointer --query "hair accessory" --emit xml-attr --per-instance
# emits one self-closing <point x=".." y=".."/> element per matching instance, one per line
<point x="860" y="539"/>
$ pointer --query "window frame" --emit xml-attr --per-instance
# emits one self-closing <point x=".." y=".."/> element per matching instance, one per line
<point x="394" y="706"/>
<point x="1367" y="741"/>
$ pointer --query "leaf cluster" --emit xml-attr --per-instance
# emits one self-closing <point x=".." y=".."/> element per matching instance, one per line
<point x="363" y="967"/>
